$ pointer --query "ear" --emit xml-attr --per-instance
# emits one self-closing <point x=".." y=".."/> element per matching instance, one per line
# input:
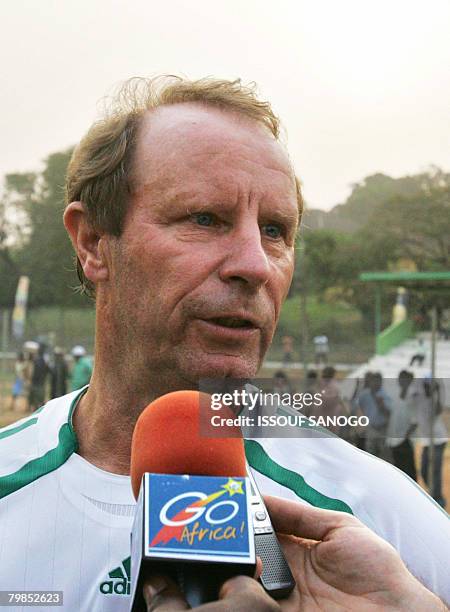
<point x="88" y="244"/>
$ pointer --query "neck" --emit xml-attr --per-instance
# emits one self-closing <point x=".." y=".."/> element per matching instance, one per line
<point x="119" y="390"/>
<point x="104" y="421"/>
<point x="122" y="385"/>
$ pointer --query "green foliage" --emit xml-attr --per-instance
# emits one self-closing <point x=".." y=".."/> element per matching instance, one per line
<point x="38" y="246"/>
<point x="374" y="191"/>
<point x="397" y="219"/>
<point x="65" y="326"/>
<point x="384" y="219"/>
<point x="48" y="257"/>
<point x="341" y="322"/>
<point x="417" y="228"/>
<point x="332" y="318"/>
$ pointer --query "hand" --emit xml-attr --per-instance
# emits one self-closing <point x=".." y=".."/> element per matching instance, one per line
<point x="339" y="564"/>
<point x="239" y="594"/>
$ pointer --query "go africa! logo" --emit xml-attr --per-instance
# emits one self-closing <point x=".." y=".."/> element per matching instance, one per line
<point x="203" y="519"/>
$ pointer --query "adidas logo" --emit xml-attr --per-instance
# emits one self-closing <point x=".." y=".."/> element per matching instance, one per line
<point x="120" y="580"/>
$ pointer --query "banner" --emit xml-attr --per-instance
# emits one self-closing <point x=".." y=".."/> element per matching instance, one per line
<point x="20" y="307"/>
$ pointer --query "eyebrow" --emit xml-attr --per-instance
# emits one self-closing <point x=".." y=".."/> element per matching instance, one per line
<point x="287" y="217"/>
<point x="192" y="197"/>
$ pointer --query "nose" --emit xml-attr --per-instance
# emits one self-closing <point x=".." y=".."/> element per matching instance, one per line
<point x="246" y="260"/>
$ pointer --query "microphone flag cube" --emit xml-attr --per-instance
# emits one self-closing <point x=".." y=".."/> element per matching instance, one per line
<point x="190" y="526"/>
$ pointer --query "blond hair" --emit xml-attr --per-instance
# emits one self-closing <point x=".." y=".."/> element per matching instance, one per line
<point x="99" y="172"/>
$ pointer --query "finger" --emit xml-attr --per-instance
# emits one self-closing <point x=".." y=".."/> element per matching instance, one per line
<point x="242" y="593"/>
<point x="293" y="518"/>
<point x="162" y="593"/>
<point x="258" y="568"/>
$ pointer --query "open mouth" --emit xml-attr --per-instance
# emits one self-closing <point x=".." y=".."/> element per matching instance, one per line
<point x="232" y="323"/>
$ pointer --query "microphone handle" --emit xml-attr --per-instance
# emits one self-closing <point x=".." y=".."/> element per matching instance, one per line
<point x="201" y="583"/>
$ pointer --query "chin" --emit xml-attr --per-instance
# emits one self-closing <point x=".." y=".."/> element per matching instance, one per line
<point x="221" y="366"/>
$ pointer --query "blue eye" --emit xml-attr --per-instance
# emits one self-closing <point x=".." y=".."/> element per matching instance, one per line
<point x="272" y="230"/>
<point x="204" y="219"/>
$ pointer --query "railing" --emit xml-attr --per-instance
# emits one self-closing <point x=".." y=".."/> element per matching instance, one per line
<point x="394" y="335"/>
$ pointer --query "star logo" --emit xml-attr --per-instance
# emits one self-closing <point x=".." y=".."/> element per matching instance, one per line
<point x="233" y="487"/>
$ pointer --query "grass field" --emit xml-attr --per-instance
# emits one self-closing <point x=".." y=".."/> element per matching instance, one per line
<point x="349" y="343"/>
<point x="63" y="326"/>
<point x="343" y="324"/>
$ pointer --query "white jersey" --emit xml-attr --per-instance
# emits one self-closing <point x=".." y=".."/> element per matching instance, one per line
<point x="65" y="524"/>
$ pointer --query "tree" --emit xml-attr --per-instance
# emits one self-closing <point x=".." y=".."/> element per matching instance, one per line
<point x="36" y="243"/>
<point x="48" y="256"/>
<point x="371" y="192"/>
<point x="417" y="228"/>
<point x="14" y="229"/>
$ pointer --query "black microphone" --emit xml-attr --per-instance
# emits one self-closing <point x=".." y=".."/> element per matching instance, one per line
<point x="193" y="518"/>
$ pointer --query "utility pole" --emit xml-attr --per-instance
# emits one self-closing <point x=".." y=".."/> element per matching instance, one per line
<point x="303" y="305"/>
<point x="433" y="400"/>
<point x="4" y="346"/>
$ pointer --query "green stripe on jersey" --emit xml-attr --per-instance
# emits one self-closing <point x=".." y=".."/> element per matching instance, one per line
<point x="52" y="460"/>
<point x="32" y="420"/>
<point x="36" y="468"/>
<point x="261" y="462"/>
<point x="13" y="430"/>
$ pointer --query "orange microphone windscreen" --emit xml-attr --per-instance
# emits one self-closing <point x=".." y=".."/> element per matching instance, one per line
<point x="166" y="440"/>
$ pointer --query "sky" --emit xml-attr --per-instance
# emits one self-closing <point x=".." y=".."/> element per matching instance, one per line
<point x="361" y="86"/>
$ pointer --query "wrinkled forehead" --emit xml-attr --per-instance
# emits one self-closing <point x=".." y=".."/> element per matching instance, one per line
<point x="182" y="137"/>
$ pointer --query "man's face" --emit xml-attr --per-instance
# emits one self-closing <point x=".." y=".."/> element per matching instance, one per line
<point x="376" y="383"/>
<point x="404" y="380"/>
<point x="206" y="256"/>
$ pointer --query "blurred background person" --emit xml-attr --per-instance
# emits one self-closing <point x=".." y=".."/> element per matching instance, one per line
<point x="30" y="348"/>
<point x="287" y="343"/>
<point x="332" y="403"/>
<point x="281" y="383"/>
<point x="402" y="423"/>
<point x="18" y="390"/>
<point x="82" y="368"/>
<point x="321" y="349"/>
<point x="310" y="386"/>
<point x="444" y="324"/>
<point x="311" y="382"/>
<point x="420" y="353"/>
<point x="59" y="373"/>
<point x="359" y="433"/>
<point x="376" y="405"/>
<point x="40" y="372"/>
<point x="440" y="437"/>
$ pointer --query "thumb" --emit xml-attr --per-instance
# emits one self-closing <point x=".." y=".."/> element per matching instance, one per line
<point x="163" y="594"/>
<point x="293" y="518"/>
<point x="242" y="593"/>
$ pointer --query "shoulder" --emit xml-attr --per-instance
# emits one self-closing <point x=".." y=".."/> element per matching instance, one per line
<point x="364" y="395"/>
<point x="371" y="488"/>
<point x="330" y="473"/>
<point x="37" y="444"/>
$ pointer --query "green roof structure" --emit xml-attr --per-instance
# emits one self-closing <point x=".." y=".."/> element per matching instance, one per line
<point x="428" y="281"/>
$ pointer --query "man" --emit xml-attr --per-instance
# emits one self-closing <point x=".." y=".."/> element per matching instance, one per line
<point x="40" y="371"/>
<point x="332" y="403"/>
<point x="376" y="405"/>
<point x="321" y="349"/>
<point x="427" y="390"/>
<point x="420" y="353"/>
<point x="82" y="368"/>
<point x="59" y="373"/>
<point x="183" y="210"/>
<point x="360" y="386"/>
<point x="402" y="423"/>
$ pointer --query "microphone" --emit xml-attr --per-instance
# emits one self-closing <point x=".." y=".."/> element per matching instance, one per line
<point x="193" y="517"/>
